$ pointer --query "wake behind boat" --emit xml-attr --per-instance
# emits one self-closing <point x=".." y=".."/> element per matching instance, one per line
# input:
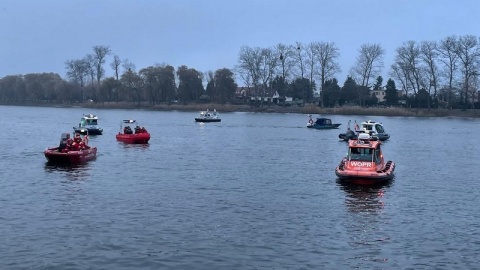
<point x="207" y="116"/>
<point x="71" y="151"/>
<point x="365" y="161"/>
<point x="137" y="135"/>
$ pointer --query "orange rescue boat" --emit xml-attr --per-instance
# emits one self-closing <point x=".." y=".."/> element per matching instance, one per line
<point x="129" y="135"/>
<point x="364" y="162"/>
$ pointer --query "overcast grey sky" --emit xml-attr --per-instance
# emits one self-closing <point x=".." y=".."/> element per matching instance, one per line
<point x="40" y="35"/>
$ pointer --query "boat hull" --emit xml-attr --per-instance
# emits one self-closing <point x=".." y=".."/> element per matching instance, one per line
<point x="382" y="136"/>
<point x="140" y="138"/>
<point x="88" y="131"/>
<point x="71" y="157"/>
<point x="368" y="176"/>
<point x="347" y="136"/>
<point x="333" y="126"/>
<point x="206" y="120"/>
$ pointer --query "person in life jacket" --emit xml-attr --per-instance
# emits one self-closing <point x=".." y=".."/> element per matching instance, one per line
<point x="68" y="145"/>
<point x="76" y="142"/>
<point x="85" y="141"/>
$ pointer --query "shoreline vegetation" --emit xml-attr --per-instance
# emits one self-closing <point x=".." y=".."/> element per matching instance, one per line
<point x="307" y="109"/>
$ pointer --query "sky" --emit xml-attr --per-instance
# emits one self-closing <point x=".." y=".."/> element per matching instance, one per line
<point x="38" y="36"/>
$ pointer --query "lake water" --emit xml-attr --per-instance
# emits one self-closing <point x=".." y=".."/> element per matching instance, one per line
<point x="255" y="191"/>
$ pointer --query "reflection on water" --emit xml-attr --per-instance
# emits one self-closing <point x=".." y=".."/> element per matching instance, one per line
<point x="134" y="146"/>
<point x="366" y="227"/>
<point x="364" y="198"/>
<point x="71" y="172"/>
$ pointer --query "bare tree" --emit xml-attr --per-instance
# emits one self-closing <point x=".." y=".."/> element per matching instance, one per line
<point x="369" y="63"/>
<point x="268" y="65"/>
<point x="99" y="54"/>
<point x="77" y="71"/>
<point x="300" y="58"/>
<point x="326" y="55"/>
<point x="429" y="55"/>
<point x="398" y="72"/>
<point x="449" y="58"/>
<point x="257" y="65"/>
<point x="407" y="65"/>
<point x="468" y="51"/>
<point x="115" y="65"/>
<point x="249" y="64"/>
<point x="128" y="65"/>
<point x="90" y="65"/>
<point x="287" y="56"/>
<point x="311" y="63"/>
<point x="284" y="54"/>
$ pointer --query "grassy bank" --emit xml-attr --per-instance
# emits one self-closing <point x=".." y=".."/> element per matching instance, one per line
<point x="307" y="109"/>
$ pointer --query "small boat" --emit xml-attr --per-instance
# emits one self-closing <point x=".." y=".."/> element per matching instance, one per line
<point x="71" y="151"/>
<point x="374" y="129"/>
<point x="321" y="123"/>
<point x="207" y="116"/>
<point x="349" y="134"/>
<point x="364" y="162"/>
<point x="137" y="135"/>
<point x="88" y="125"/>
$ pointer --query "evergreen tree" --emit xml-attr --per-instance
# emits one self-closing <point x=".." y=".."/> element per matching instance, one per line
<point x="378" y="83"/>
<point x="331" y="93"/>
<point x="348" y="93"/>
<point x="391" y="97"/>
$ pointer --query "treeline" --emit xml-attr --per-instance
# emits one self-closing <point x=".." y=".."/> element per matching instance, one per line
<point x="428" y="74"/>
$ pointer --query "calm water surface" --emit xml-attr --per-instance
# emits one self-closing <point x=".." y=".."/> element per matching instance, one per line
<point x="256" y="191"/>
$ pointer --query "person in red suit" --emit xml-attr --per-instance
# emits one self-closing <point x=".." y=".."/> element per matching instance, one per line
<point x="68" y="145"/>
<point x="76" y="143"/>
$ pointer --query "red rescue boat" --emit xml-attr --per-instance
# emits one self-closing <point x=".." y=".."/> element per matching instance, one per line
<point x="71" y="151"/>
<point x="137" y="135"/>
<point x="364" y="162"/>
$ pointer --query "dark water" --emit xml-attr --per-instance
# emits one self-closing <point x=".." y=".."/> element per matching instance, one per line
<point x="256" y="191"/>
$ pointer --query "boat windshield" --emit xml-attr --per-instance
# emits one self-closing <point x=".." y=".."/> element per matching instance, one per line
<point x="323" y="121"/>
<point x="361" y="154"/>
<point x="379" y="128"/>
<point x="91" y="121"/>
<point x="368" y="127"/>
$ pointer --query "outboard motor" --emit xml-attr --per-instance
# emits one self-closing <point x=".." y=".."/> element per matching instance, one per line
<point x="63" y="141"/>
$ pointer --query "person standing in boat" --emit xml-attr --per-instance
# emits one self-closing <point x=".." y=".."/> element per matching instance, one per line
<point x="356" y="127"/>
<point x="63" y="142"/>
<point x="68" y="145"/>
<point x="83" y="143"/>
<point x="85" y="139"/>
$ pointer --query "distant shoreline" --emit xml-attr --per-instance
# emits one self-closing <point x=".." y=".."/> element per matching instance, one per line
<point x="307" y="109"/>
